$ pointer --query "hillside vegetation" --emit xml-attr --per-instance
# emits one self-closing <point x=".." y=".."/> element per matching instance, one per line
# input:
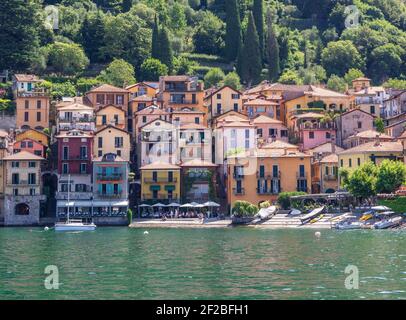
<point x="290" y="41"/>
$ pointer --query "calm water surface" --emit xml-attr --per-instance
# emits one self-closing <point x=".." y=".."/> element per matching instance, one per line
<point x="122" y="263"/>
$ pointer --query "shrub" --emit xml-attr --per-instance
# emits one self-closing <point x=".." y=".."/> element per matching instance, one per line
<point x="284" y="198"/>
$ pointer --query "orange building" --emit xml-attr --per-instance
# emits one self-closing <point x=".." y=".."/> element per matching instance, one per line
<point x="259" y="175"/>
<point x="105" y="95"/>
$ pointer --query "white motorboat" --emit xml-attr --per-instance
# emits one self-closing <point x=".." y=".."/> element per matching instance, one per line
<point x="388" y="223"/>
<point x="349" y="225"/>
<point x="266" y="213"/>
<point x="73" y="225"/>
<point x="312" y="215"/>
<point x="295" y="212"/>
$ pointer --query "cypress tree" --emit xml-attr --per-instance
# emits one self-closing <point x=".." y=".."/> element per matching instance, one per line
<point x="250" y="62"/>
<point x="126" y="5"/>
<point x="92" y="34"/>
<point x="166" y="54"/>
<point x="272" y="51"/>
<point x="233" y="30"/>
<point x="155" y="50"/>
<point x="258" y="12"/>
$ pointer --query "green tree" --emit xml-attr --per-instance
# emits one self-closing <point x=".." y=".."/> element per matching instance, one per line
<point x="385" y="62"/>
<point x="213" y="77"/>
<point x="19" y="36"/>
<point x="67" y="58"/>
<point x="64" y="89"/>
<point x="233" y="37"/>
<point x="361" y="182"/>
<point x="352" y="74"/>
<point x="84" y="85"/>
<point x="272" y="51"/>
<point x="152" y="69"/>
<point x="395" y="83"/>
<point x="155" y="45"/>
<point x="336" y="83"/>
<point x="208" y="37"/>
<point x="119" y="73"/>
<point x="92" y="35"/>
<point x="340" y="56"/>
<point x="250" y="58"/>
<point x="290" y="77"/>
<point x="166" y="53"/>
<point x="232" y="79"/>
<point x="183" y="65"/>
<point x="258" y="13"/>
<point x="391" y="175"/>
<point x="380" y="125"/>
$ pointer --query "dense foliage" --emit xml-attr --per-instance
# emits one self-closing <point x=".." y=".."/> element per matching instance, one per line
<point x="295" y="41"/>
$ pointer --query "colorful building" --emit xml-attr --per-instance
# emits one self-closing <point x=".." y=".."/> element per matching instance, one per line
<point x="22" y="189"/>
<point x="194" y="142"/>
<point x="112" y="140"/>
<point x="75" y="116"/>
<point x="160" y="182"/>
<point x="35" y="135"/>
<point x="325" y="174"/>
<point x="147" y="115"/>
<point x="110" y="115"/>
<point x="223" y="100"/>
<point x="269" y="129"/>
<point x="265" y="107"/>
<point x="365" y="137"/>
<point x="261" y="174"/>
<point x="31" y="146"/>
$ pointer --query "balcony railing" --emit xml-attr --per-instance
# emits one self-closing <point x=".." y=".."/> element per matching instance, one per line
<point x="109" y="177"/>
<point x="150" y="196"/>
<point x="330" y="177"/>
<point x="82" y="157"/>
<point x="238" y="176"/>
<point x="237" y="191"/>
<point x="30" y="94"/>
<point x="80" y="120"/>
<point x="301" y="175"/>
<point x="110" y="195"/>
<point x="268" y="192"/>
<point x="160" y="180"/>
<point x="312" y="126"/>
<point x="183" y="101"/>
<point x="269" y="175"/>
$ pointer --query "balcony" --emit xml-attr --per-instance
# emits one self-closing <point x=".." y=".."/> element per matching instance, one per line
<point x="301" y="175"/>
<point x="268" y="192"/>
<point x="330" y="177"/>
<point x="109" y="177"/>
<point x="75" y="120"/>
<point x="160" y="180"/>
<point x="32" y="94"/>
<point x="238" y="175"/>
<point x="79" y="195"/>
<point x="269" y="175"/>
<point x="23" y="183"/>
<point x="183" y="101"/>
<point x="150" y="196"/>
<point x="238" y="192"/>
<point x="71" y="158"/>
<point x="118" y="195"/>
<point x="318" y="126"/>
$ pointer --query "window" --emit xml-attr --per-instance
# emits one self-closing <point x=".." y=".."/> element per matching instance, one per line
<point x="284" y="133"/>
<point x="261" y="171"/>
<point x="359" y="125"/>
<point x="235" y="106"/>
<point x="219" y="96"/>
<point x="372" y="110"/>
<point x="80" y="187"/>
<point x="83" y="168"/>
<point x="197" y="120"/>
<point x="118" y="142"/>
<point x="15" y="192"/>
<point x="247" y="138"/>
<point x="83" y="152"/>
<point x="326" y="171"/>
<point x="302" y="170"/>
<point x="350" y="163"/>
<point x="65" y="168"/>
<point x="38" y="153"/>
<point x="116" y="119"/>
<point x="233" y="139"/>
<point x="26" y="104"/>
<point x="342" y="163"/>
<point x="275" y="171"/>
<point x="32" y="191"/>
<point x="359" y="161"/>
<point x="64" y="187"/>
<point x="104" y="119"/>
<point x="100" y="142"/>
<point x="30" y="144"/>
<point x="100" y="153"/>
<point x="155" y="176"/>
<point x="15" y="164"/>
<point x="120" y="99"/>
<point x="32" y="179"/>
<point x="38" y="104"/>
<point x="100" y="99"/>
<point x="65" y="153"/>
<point x="144" y="119"/>
<point x="259" y="133"/>
<point x="218" y="108"/>
<point x="38" y="116"/>
<point x="311" y="135"/>
<point x="26" y="117"/>
<point x="328" y="135"/>
<point x="31" y="164"/>
<point x="110" y="99"/>
<point x="273" y="132"/>
<point x="119" y="153"/>
<point x="170" y="176"/>
<point x="15" y="178"/>
<point x="235" y="96"/>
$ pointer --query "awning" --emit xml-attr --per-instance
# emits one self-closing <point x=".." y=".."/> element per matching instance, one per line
<point x="120" y="204"/>
<point x="155" y="188"/>
<point x="170" y="188"/>
<point x="64" y="204"/>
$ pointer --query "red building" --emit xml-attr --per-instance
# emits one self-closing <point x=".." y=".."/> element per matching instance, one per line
<point x="31" y="146"/>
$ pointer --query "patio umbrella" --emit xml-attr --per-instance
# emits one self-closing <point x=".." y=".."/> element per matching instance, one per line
<point x="194" y="204"/>
<point x="187" y="205"/>
<point x="211" y="204"/>
<point x="159" y="205"/>
<point x="173" y="205"/>
<point x="144" y="206"/>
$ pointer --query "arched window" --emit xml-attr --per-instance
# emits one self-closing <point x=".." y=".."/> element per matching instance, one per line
<point x="22" y="209"/>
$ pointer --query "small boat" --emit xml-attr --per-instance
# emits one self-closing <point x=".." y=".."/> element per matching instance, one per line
<point x="317" y="219"/>
<point x="266" y="213"/>
<point x="367" y="216"/>
<point x="349" y="225"/>
<point x="388" y="223"/>
<point x="295" y="212"/>
<point x="74" y="225"/>
<point x="308" y="217"/>
<point x="341" y="217"/>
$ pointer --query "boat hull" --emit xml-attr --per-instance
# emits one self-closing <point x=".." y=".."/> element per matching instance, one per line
<point x="72" y="227"/>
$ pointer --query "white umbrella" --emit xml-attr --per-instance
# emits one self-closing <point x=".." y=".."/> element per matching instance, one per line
<point x="144" y="206"/>
<point x="199" y="206"/>
<point x="159" y="205"/>
<point x="211" y="204"/>
<point x="173" y="205"/>
<point x="187" y="205"/>
<point x="194" y="204"/>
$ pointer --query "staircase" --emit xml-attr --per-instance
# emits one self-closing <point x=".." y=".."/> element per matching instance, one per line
<point x="284" y="221"/>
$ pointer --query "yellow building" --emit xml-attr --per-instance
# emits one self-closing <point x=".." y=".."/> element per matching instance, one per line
<point x="223" y="100"/>
<point x="33" y="135"/>
<point x="260" y="175"/>
<point x="112" y="139"/>
<point x="160" y="182"/>
<point x="325" y="175"/>
<point x="110" y="115"/>
<point x="376" y="152"/>
<point x="316" y="98"/>
<point x="146" y="88"/>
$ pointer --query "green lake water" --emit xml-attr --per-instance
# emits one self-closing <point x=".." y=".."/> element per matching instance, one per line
<point x="123" y="263"/>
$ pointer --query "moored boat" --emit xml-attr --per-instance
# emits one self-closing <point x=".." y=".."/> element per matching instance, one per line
<point x="349" y="225"/>
<point x="388" y="223"/>
<point x="313" y="214"/>
<point x="74" y="225"/>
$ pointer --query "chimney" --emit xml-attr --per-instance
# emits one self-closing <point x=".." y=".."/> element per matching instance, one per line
<point x="378" y="140"/>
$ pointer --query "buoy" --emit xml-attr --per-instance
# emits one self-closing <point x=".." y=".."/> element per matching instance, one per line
<point x="46" y="228"/>
<point x="146" y="232"/>
<point x="317" y="234"/>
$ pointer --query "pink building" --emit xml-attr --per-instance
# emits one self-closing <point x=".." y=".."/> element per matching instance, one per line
<point x="269" y="129"/>
<point x="148" y="115"/>
<point x="31" y="146"/>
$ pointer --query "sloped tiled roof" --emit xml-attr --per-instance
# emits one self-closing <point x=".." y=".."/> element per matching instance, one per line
<point x="23" y="155"/>
<point x="159" y="165"/>
<point x="108" y="88"/>
<point x="383" y="146"/>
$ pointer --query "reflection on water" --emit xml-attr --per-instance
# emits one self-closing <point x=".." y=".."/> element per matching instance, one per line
<point x="121" y="263"/>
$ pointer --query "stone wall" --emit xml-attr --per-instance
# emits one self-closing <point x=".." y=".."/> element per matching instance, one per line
<point x="10" y="202"/>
